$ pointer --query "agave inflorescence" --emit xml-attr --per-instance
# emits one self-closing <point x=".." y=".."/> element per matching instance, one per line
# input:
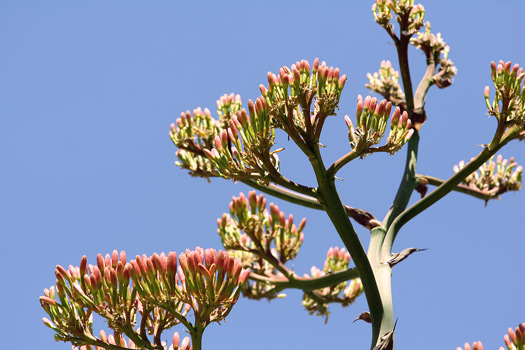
<point x="160" y="296"/>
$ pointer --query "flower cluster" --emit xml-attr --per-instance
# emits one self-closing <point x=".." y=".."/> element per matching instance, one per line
<point x="494" y="177"/>
<point x="436" y="50"/>
<point x="316" y="302"/>
<point x="160" y="297"/>
<point x="386" y="83"/>
<point x="192" y="133"/>
<point x="515" y="339"/>
<point x="409" y="16"/>
<point x="372" y="119"/>
<point x="475" y="346"/>
<point x="509" y="102"/>
<point x="291" y="93"/>
<point x="238" y="145"/>
<point x="263" y="240"/>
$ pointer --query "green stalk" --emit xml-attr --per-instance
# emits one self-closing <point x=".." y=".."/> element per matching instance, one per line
<point x="383" y="274"/>
<point x="196" y="337"/>
<point x="408" y="182"/>
<point x="337" y="214"/>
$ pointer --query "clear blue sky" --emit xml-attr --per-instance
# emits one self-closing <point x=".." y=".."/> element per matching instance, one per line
<point x="88" y="90"/>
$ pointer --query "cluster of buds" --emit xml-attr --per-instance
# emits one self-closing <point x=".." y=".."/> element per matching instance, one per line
<point x="237" y="146"/>
<point x="345" y="293"/>
<point x="243" y="150"/>
<point x="162" y="293"/>
<point x="515" y="339"/>
<point x="290" y="94"/>
<point x="372" y="119"/>
<point x="386" y="83"/>
<point x="509" y="101"/>
<point x="192" y="133"/>
<point x="494" y="177"/>
<point x="227" y="107"/>
<point x="477" y="345"/>
<point x="409" y="16"/>
<point x="436" y="50"/>
<point x="263" y="240"/>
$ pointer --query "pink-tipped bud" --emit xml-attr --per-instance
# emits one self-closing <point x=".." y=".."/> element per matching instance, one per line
<point x="251" y="108"/>
<point x="513" y="336"/>
<point x="315" y="65"/>
<point x="244" y="276"/>
<point x="114" y="258"/>
<point x="342" y="81"/>
<point x="107" y="261"/>
<point x="486" y="92"/>
<point x="123" y="257"/>
<point x="176" y="340"/>
<point x="218" y="143"/>
<point x="367" y="102"/>
<point x="83" y="265"/>
<point x="185" y="345"/>
<point x="48" y="301"/>
<point x="100" y="262"/>
<point x="380" y="108"/>
<point x="359" y="109"/>
<point x="330" y="253"/>
<point x="264" y="92"/>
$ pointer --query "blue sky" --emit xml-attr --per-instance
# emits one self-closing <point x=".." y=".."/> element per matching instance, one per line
<point x="88" y="91"/>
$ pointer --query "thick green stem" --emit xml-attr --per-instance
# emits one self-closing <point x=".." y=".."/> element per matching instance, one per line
<point x="408" y="182"/>
<point x="336" y="212"/>
<point x="383" y="275"/>
<point x="196" y="337"/>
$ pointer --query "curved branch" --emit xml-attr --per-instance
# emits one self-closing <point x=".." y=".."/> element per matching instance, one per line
<point x="361" y="216"/>
<point x="307" y="283"/>
<point x="474" y="192"/>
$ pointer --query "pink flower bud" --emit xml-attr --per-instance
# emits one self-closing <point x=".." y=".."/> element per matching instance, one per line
<point x="486" y="92"/>
<point x="342" y="81"/>
<point x="359" y="109"/>
<point x="185" y="344"/>
<point x="245" y="273"/>
<point x="103" y="336"/>
<point x="107" y="261"/>
<point x="264" y="92"/>
<point x="48" y="301"/>
<point x="114" y="258"/>
<point x="507" y="341"/>
<point x="60" y="271"/>
<point x="218" y="144"/>
<point x="315" y="65"/>
<point x="172" y="263"/>
<point x="100" y="262"/>
<point x="176" y="339"/>
<point x="251" y="108"/>
<point x="141" y="264"/>
<point x="513" y="336"/>
<point x="123" y="257"/>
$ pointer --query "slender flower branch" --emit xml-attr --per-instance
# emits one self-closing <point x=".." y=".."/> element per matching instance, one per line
<point x="434" y="196"/>
<point x="308" y="284"/>
<point x="474" y="192"/>
<point x="361" y="216"/>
